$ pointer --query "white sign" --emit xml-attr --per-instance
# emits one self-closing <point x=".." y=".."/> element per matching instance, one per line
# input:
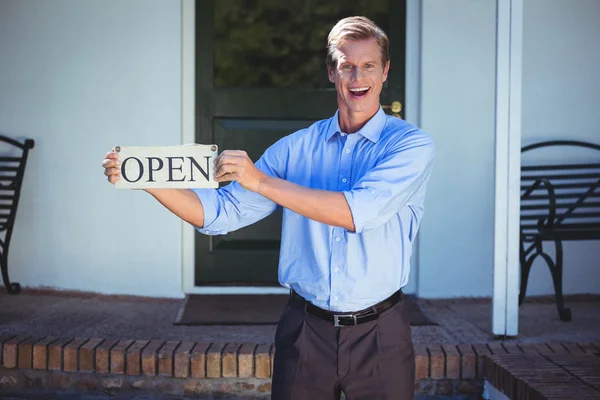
<point x="167" y="167"/>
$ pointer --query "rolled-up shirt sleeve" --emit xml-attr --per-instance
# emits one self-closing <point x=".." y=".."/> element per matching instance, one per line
<point x="384" y="190"/>
<point x="232" y="207"/>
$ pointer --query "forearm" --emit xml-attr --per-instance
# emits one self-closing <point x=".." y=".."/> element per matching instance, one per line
<point x="323" y="206"/>
<point x="182" y="202"/>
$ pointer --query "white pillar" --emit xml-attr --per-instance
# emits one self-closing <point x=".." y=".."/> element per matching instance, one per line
<point x="505" y="307"/>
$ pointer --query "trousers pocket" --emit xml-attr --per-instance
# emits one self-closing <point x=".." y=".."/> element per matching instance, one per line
<point x="289" y="329"/>
<point x="394" y="338"/>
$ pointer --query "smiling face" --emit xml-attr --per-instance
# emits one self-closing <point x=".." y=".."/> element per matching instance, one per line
<point x="358" y="75"/>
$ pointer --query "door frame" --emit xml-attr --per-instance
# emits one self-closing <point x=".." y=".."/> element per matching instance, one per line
<point x="188" y="135"/>
<point x="508" y="140"/>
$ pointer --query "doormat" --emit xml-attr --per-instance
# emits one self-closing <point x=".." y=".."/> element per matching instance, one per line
<point x="200" y="309"/>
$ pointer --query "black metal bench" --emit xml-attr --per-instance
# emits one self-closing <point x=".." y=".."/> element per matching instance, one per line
<point x="12" y="170"/>
<point x="558" y="202"/>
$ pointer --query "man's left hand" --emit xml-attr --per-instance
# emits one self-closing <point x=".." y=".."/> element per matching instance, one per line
<point x="235" y="165"/>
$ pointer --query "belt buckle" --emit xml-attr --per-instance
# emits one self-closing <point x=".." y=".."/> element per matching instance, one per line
<point x="336" y="319"/>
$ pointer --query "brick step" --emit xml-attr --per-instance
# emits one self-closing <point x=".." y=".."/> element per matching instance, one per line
<point x="200" y="367"/>
<point x="549" y="376"/>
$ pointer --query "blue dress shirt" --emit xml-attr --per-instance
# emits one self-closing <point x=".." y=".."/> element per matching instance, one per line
<point x="382" y="170"/>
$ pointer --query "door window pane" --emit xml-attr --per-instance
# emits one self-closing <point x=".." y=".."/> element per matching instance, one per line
<point x="280" y="43"/>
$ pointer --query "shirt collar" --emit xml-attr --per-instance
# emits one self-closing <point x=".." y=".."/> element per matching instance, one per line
<point x="372" y="129"/>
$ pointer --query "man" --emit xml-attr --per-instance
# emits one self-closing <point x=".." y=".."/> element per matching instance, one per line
<point x="352" y="188"/>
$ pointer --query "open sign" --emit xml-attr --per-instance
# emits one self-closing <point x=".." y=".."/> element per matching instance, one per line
<point x="168" y="167"/>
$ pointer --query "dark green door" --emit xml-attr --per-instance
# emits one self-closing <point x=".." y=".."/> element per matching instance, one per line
<point x="261" y="75"/>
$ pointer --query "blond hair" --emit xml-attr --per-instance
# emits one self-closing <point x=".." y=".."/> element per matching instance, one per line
<point x="356" y="28"/>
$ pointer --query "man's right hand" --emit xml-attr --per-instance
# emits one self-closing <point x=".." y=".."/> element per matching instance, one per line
<point x="112" y="166"/>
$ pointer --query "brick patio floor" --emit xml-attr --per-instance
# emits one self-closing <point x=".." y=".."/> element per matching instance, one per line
<point x="460" y="321"/>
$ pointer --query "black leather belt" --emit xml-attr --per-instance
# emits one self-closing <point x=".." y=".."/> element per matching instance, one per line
<point x="350" y="319"/>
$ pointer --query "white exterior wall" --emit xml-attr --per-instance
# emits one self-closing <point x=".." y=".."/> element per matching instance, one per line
<point x="457" y="109"/>
<point x="561" y="100"/>
<point x="80" y="77"/>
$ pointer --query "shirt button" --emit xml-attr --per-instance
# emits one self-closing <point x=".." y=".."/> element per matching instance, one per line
<point x="347" y="150"/>
<point x="336" y="269"/>
<point x="337" y="239"/>
<point x="335" y="297"/>
<point x="343" y="134"/>
<point x="344" y="180"/>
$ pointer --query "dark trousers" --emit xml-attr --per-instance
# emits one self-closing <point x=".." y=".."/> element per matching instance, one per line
<point x="316" y="361"/>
